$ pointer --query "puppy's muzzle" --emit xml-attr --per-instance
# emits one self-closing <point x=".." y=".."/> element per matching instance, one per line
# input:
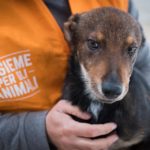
<point x="111" y="86"/>
<point x="111" y="90"/>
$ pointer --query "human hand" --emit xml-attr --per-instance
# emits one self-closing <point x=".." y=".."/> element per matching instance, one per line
<point x="68" y="134"/>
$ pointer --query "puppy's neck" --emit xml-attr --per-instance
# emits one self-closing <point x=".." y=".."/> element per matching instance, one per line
<point x="95" y="108"/>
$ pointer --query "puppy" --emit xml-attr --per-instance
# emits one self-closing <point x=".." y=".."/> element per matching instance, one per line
<point x="101" y="77"/>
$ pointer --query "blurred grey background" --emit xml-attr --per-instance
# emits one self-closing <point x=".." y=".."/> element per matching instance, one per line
<point x="144" y="15"/>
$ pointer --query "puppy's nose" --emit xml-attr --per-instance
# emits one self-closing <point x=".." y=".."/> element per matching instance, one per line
<point x="111" y="90"/>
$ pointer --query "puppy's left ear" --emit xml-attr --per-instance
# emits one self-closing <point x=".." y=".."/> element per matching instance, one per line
<point x="143" y="37"/>
<point x="70" y="27"/>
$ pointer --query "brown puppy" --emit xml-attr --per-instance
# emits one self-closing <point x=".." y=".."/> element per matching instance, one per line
<point x="105" y="44"/>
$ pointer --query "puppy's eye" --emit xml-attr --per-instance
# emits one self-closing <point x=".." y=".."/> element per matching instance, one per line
<point x="131" y="51"/>
<point x="92" y="44"/>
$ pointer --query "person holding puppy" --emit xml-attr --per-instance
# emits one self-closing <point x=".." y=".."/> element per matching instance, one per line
<point x="33" y="61"/>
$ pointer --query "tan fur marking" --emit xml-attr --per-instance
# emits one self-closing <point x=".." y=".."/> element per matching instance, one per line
<point x="98" y="71"/>
<point x="130" y="40"/>
<point x="98" y="35"/>
<point x="124" y="74"/>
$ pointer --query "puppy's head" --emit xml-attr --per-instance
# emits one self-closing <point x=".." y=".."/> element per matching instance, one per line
<point x="106" y="42"/>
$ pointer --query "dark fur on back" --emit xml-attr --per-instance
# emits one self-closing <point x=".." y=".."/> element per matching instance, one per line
<point x="132" y="114"/>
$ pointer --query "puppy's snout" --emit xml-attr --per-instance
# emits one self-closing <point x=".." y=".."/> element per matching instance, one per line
<point x="111" y="90"/>
<point x="111" y="86"/>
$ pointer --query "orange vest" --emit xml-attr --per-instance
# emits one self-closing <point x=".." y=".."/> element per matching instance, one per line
<point x="33" y="52"/>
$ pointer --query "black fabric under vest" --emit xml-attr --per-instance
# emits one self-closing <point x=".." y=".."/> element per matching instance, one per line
<point x="60" y="10"/>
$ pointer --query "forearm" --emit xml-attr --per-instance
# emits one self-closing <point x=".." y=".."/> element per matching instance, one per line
<point x="23" y="131"/>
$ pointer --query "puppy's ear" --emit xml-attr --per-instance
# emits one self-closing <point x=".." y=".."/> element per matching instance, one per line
<point x="143" y="36"/>
<point x="70" y="27"/>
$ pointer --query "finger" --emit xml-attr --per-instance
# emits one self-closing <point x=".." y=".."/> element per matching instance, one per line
<point x="68" y="108"/>
<point x="91" y="131"/>
<point x="102" y="143"/>
<point x="105" y="143"/>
